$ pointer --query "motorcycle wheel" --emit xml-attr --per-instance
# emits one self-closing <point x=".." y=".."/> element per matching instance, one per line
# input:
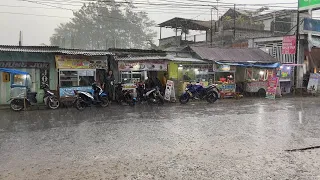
<point x="54" y="103"/>
<point x="104" y="102"/>
<point x="17" y="105"/>
<point x="80" y="104"/>
<point x="184" y="99"/>
<point x="212" y="97"/>
<point x="160" y="99"/>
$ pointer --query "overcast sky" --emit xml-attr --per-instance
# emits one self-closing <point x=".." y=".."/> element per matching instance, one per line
<point x="38" y="29"/>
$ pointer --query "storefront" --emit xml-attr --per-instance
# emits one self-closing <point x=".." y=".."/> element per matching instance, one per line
<point x="188" y="70"/>
<point x="78" y="72"/>
<point x="138" y="70"/>
<point x="39" y="64"/>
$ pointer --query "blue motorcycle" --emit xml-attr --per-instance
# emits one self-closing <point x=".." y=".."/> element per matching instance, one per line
<point x="198" y="92"/>
<point x="85" y="99"/>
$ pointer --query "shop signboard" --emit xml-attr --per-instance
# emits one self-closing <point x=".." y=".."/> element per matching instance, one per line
<point x="44" y="77"/>
<point x="142" y="66"/>
<point x="20" y="64"/>
<point x="289" y="45"/>
<point x="272" y="87"/>
<point x="308" y="4"/>
<point x="227" y="88"/>
<point x="314" y="82"/>
<point x="70" y="62"/>
<point x="69" y="91"/>
<point x="311" y="25"/>
<point x="224" y="68"/>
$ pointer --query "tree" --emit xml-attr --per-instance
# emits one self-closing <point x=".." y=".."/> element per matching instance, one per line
<point x="105" y="24"/>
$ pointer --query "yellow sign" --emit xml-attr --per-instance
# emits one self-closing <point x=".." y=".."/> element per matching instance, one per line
<point x="64" y="62"/>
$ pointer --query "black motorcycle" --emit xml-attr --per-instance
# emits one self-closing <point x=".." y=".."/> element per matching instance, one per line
<point x="50" y="100"/>
<point x="86" y="99"/>
<point x="124" y="96"/>
<point x="152" y="95"/>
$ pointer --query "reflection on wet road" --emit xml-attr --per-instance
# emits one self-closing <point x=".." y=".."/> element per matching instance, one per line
<point x="243" y="139"/>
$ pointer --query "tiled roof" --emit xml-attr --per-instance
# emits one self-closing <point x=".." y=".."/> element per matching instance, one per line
<point x="53" y="49"/>
<point x="233" y="55"/>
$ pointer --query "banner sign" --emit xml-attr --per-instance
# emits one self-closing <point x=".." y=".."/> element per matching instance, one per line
<point x="44" y="77"/>
<point x="308" y="4"/>
<point x="272" y="87"/>
<point x="314" y="82"/>
<point x="69" y="91"/>
<point x="70" y="62"/>
<point x="169" y="92"/>
<point x="20" y="64"/>
<point x="142" y="66"/>
<point x="289" y="45"/>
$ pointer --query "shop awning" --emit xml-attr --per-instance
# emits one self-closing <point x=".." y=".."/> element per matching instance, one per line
<point x="13" y="71"/>
<point x="260" y="65"/>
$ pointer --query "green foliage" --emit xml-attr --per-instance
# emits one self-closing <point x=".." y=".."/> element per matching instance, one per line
<point x="100" y="24"/>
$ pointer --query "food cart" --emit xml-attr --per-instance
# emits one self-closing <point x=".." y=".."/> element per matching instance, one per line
<point x="256" y="79"/>
<point x="225" y="79"/>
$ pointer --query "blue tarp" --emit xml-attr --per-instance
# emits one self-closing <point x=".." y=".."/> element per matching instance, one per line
<point x="12" y="71"/>
<point x="247" y="64"/>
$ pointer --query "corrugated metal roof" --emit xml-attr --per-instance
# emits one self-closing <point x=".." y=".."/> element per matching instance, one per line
<point x="141" y="58"/>
<point x="53" y="49"/>
<point x="233" y="55"/>
<point x="181" y="59"/>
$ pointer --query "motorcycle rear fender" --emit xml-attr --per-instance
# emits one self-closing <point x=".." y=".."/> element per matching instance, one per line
<point x="86" y="94"/>
<point x="103" y="94"/>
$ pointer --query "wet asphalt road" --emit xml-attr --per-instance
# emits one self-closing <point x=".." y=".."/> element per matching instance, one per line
<point x="232" y="139"/>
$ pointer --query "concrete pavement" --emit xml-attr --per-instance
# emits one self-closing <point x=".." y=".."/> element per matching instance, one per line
<point x="231" y="139"/>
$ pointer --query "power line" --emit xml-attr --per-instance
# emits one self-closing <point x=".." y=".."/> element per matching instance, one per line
<point x="40" y="15"/>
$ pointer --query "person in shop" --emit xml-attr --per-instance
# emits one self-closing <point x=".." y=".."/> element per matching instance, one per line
<point x="109" y="84"/>
<point x="186" y="77"/>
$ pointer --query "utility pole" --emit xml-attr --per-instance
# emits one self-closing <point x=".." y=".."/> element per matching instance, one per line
<point x="20" y="38"/>
<point x="297" y="51"/>
<point x="234" y="21"/>
<point x="211" y="30"/>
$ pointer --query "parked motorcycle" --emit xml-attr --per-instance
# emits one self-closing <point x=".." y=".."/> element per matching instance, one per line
<point x="124" y="96"/>
<point x="50" y="100"/>
<point x="198" y="92"/>
<point x="149" y="95"/>
<point x="85" y="99"/>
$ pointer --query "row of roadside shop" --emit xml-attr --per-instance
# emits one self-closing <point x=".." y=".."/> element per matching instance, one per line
<point x="65" y="70"/>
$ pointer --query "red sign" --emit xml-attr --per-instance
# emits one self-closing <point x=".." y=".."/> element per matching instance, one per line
<point x="289" y="45"/>
<point x="272" y="87"/>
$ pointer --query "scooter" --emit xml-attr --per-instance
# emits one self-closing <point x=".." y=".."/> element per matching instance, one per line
<point x="50" y="100"/>
<point x="198" y="92"/>
<point x="85" y="99"/>
<point x="124" y="95"/>
<point x="151" y="96"/>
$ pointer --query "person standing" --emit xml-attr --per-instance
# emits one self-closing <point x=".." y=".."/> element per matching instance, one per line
<point x="164" y="82"/>
<point x="109" y="84"/>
